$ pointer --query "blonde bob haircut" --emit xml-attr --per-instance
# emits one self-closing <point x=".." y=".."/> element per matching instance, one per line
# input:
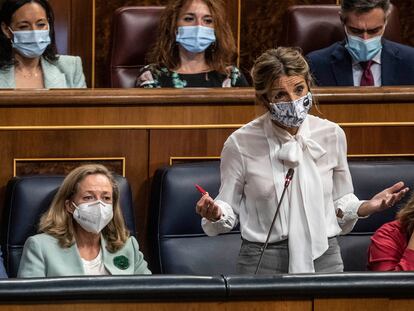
<point x="406" y="217"/>
<point x="275" y="63"/>
<point x="219" y="55"/>
<point x="59" y="223"/>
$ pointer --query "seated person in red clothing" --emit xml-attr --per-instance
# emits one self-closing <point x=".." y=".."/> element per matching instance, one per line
<point x="392" y="246"/>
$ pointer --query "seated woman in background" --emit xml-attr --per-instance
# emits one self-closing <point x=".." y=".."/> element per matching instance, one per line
<point x="28" y="51"/>
<point x="84" y="231"/>
<point x="195" y="48"/>
<point x="392" y="245"/>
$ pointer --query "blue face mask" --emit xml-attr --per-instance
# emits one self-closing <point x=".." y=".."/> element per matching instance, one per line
<point x="31" y="43"/>
<point x="195" y="39"/>
<point x="363" y="50"/>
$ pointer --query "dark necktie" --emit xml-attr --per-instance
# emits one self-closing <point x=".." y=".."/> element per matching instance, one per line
<point x="367" y="78"/>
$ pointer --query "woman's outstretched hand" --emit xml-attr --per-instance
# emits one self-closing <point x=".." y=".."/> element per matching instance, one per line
<point x="383" y="200"/>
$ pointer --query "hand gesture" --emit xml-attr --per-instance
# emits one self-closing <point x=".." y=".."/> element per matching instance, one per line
<point x="208" y="209"/>
<point x="383" y="200"/>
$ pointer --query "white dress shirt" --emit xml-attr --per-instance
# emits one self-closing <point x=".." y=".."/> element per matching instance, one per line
<point x="357" y="70"/>
<point x="252" y="178"/>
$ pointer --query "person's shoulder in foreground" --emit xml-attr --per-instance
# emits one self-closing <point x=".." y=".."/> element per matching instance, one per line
<point x="392" y="245"/>
<point x="388" y="250"/>
<point x="65" y="72"/>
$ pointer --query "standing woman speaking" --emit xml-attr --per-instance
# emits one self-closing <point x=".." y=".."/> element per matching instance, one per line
<point x="319" y="204"/>
<point x="28" y="55"/>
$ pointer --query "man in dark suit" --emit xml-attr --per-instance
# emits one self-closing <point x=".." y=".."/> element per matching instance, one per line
<point x="364" y="58"/>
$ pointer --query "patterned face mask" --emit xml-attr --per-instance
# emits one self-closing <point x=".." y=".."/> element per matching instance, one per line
<point x="293" y="113"/>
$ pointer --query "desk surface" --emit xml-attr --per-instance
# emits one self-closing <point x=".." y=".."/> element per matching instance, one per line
<point x="313" y="292"/>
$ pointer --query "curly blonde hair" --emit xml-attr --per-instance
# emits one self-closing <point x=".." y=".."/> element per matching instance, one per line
<point x="58" y="222"/>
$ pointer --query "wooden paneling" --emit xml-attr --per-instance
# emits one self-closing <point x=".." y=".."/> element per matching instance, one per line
<point x="375" y="140"/>
<point x="82" y="35"/>
<point x="366" y="304"/>
<point x="62" y="166"/>
<point x="196" y="143"/>
<point x="348" y="304"/>
<point x="261" y="26"/>
<point x="74" y="31"/>
<point x="406" y="12"/>
<point x="62" y="12"/>
<point x="283" y="305"/>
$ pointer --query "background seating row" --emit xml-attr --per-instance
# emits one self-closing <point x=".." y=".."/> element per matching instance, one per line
<point x="177" y="243"/>
<point x="302" y="26"/>
<point x="180" y="246"/>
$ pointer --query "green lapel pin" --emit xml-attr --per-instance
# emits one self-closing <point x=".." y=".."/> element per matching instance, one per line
<point x="121" y="262"/>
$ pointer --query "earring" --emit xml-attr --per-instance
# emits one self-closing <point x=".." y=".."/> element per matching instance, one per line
<point x="213" y="47"/>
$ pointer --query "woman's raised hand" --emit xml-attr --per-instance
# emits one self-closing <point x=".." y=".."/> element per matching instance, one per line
<point x="208" y="209"/>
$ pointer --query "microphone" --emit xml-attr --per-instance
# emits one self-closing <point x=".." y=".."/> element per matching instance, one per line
<point x="288" y="179"/>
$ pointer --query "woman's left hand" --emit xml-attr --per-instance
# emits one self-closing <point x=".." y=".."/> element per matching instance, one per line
<point x="383" y="200"/>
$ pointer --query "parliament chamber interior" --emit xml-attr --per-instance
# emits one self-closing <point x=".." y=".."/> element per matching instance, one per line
<point x="160" y="142"/>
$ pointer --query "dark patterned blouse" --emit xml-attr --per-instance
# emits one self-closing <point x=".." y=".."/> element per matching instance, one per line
<point x="152" y="77"/>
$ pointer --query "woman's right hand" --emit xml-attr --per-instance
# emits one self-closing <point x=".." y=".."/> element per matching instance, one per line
<point x="208" y="209"/>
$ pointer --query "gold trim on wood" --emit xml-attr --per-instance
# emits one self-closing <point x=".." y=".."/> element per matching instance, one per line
<point x="175" y="126"/>
<point x="93" y="43"/>
<point x="381" y="155"/>
<point x="15" y="160"/>
<point x="172" y="159"/>
<point x="117" y="127"/>
<point x="374" y="155"/>
<point x="375" y="124"/>
<point x="238" y="32"/>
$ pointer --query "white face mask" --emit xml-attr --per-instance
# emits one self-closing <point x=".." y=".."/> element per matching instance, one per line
<point x="93" y="216"/>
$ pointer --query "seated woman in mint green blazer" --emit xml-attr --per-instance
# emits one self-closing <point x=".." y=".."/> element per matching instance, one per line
<point x="28" y="54"/>
<point x="83" y="232"/>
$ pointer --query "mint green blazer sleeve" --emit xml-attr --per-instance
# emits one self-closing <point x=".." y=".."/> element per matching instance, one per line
<point x="78" y="79"/>
<point x="66" y="72"/>
<point x="32" y="262"/>
<point x="140" y="265"/>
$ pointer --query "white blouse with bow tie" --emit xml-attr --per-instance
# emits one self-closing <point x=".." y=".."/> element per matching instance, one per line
<point x="254" y="162"/>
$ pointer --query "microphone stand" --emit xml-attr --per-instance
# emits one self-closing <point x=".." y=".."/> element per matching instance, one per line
<point x="288" y="179"/>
